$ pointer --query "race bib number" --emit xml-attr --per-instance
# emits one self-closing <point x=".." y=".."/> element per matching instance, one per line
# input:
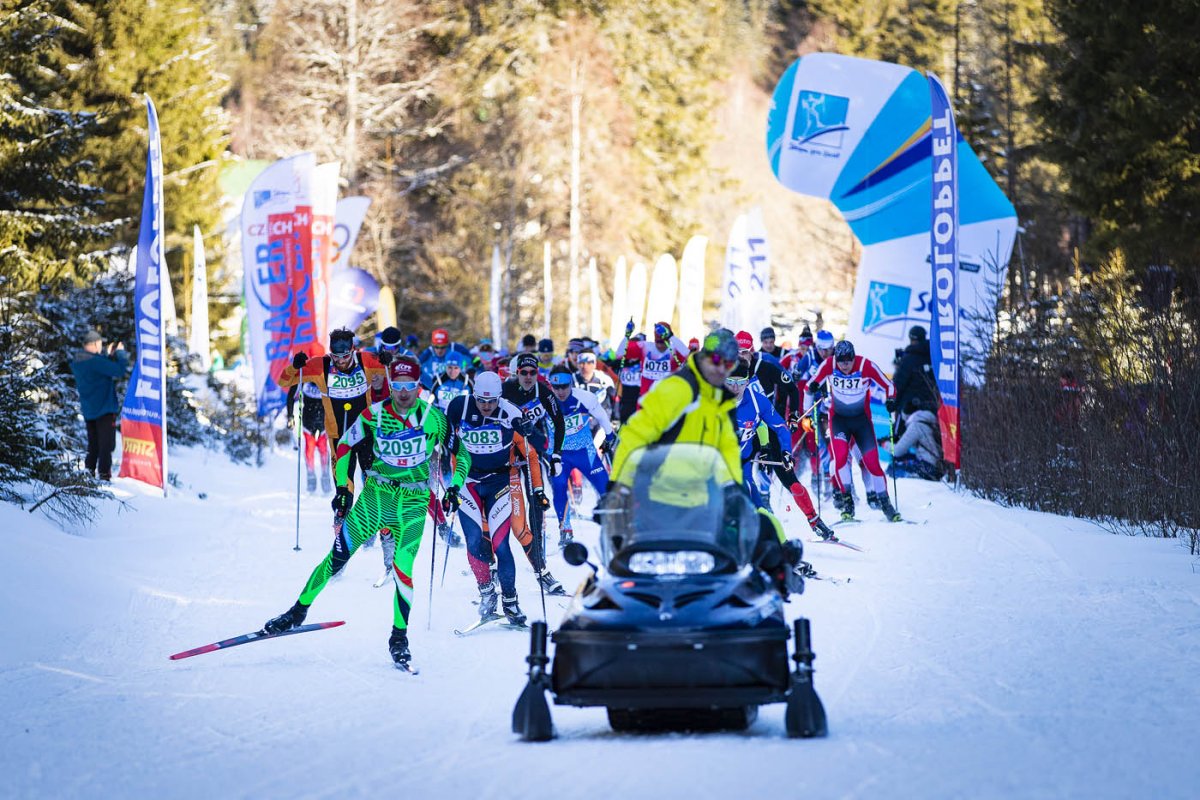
<point x="656" y="370"/>
<point x="533" y="410"/>
<point x="405" y="449"/>
<point x="848" y="383"/>
<point x="631" y="376"/>
<point x="311" y="390"/>
<point x="343" y="387"/>
<point x="575" y="423"/>
<point x="483" y="441"/>
<point x="446" y="394"/>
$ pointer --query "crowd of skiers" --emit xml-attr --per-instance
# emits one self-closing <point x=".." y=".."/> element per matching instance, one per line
<point x="498" y="442"/>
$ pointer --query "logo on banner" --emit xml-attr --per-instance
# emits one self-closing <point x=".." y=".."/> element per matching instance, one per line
<point x="887" y="304"/>
<point x="820" y="121"/>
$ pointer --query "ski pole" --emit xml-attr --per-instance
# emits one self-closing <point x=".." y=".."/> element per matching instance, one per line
<point x="538" y="547"/>
<point x="299" y="455"/>
<point x="892" y="436"/>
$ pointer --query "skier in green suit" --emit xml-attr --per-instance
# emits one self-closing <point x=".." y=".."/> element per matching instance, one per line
<point x="403" y="431"/>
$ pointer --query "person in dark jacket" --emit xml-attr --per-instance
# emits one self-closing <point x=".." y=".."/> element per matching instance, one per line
<point x="96" y="372"/>
<point x="914" y="378"/>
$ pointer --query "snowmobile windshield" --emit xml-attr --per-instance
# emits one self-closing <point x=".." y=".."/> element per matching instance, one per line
<point x="678" y="497"/>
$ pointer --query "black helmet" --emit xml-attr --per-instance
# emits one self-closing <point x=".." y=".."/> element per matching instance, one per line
<point x="390" y="337"/>
<point x="843" y="350"/>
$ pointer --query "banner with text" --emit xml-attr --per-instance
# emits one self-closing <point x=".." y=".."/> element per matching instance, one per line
<point x="144" y="414"/>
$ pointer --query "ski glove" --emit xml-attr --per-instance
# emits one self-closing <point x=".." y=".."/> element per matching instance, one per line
<point x="788" y="463"/>
<point x="539" y="497"/>
<point x="610" y="443"/>
<point x="555" y="464"/>
<point x="890" y="405"/>
<point x="299" y="360"/>
<point x="384" y="357"/>
<point x="629" y="329"/>
<point x="342" y="501"/>
<point x="451" y="501"/>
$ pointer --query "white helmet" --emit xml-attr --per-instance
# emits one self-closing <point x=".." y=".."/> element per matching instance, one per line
<point x="487" y="386"/>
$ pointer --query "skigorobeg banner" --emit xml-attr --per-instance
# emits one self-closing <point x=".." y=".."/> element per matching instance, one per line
<point x="943" y="244"/>
<point x="144" y="414"/>
<point x="859" y="133"/>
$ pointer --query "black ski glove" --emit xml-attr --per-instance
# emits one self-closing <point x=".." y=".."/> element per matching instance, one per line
<point x="539" y="496"/>
<point x="890" y="405"/>
<point x="299" y="360"/>
<point x="451" y="501"/>
<point x="342" y="501"/>
<point x="384" y="357"/>
<point x="788" y="464"/>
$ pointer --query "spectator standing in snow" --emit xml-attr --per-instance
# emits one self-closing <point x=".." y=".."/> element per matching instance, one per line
<point x="96" y="372"/>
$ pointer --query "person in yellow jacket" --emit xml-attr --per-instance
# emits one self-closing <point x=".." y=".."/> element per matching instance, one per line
<point x="694" y="405"/>
<point x="690" y="405"/>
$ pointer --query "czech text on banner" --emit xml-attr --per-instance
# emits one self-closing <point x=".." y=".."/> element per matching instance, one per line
<point x="276" y="258"/>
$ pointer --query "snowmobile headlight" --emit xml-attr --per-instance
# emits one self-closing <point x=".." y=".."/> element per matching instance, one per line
<point x="677" y="562"/>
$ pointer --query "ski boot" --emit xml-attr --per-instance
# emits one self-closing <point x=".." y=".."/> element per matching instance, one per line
<point x="821" y="529"/>
<point x="512" y="612"/>
<point x="565" y="536"/>
<point x="487" y="600"/>
<point x="804" y="570"/>
<point x="845" y="503"/>
<point x="448" y="535"/>
<point x="292" y="618"/>
<point x="889" y="511"/>
<point x="398" y="646"/>
<point x="326" y="483"/>
<point x="312" y="482"/>
<point x="872" y="500"/>
<point x="549" y="584"/>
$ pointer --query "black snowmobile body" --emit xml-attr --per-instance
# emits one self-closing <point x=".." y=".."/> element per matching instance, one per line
<point x="708" y="641"/>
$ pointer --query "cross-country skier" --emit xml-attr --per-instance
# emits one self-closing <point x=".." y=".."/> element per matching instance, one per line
<point x="348" y="382"/>
<point x="489" y="427"/>
<point x="402" y="434"/>
<point x="757" y="420"/>
<point x="595" y="380"/>
<point x="848" y="377"/>
<point x="534" y="398"/>
<point x="312" y="426"/>
<point x="579" y="407"/>
<point x="770" y="378"/>
<point x="667" y="355"/>
<point x="433" y="358"/>
<point x="452" y="383"/>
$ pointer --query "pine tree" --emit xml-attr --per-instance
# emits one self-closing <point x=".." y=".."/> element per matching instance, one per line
<point x="47" y="238"/>
<point x="1120" y="105"/>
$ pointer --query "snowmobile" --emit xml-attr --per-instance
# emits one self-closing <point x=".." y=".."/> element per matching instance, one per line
<point x="684" y="628"/>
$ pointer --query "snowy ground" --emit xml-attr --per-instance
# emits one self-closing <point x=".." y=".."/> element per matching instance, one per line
<point x="987" y="653"/>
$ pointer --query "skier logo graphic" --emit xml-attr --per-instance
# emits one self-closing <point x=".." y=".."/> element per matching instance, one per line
<point x="886" y="313"/>
<point x="820" y="120"/>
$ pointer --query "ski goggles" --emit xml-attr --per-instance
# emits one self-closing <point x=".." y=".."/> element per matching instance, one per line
<point x="560" y="380"/>
<point x="527" y="372"/>
<point x="482" y="400"/>
<point x="405" y="386"/>
<point x="341" y="349"/>
<point x="736" y="383"/>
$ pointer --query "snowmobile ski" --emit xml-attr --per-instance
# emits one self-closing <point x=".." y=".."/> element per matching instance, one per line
<point x="488" y="620"/>
<point x="254" y="637"/>
<point x="842" y="542"/>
